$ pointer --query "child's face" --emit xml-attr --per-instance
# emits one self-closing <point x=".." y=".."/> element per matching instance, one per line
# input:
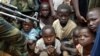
<point x="63" y="16"/>
<point x="45" y="10"/>
<point x="94" y="20"/>
<point x="75" y="36"/>
<point x="48" y="36"/>
<point x="27" y="26"/>
<point x="85" y="37"/>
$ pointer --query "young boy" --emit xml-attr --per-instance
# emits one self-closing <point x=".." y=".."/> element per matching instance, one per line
<point x="93" y="17"/>
<point x="45" y="15"/>
<point x="64" y="26"/>
<point x="75" y="36"/>
<point x="48" y="45"/>
<point x="86" y="38"/>
<point x="29" y="29"/>
<point x="32" y="34"/>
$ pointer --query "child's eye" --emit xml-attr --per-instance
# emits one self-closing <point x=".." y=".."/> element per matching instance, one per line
<point x="94" y="18"/>
<point x="45" y="36"/>
<point x="86" y="36"/>
<point x="51" y="35"/>
<point x="60" y="14"/>
<point x="79" y="36"/>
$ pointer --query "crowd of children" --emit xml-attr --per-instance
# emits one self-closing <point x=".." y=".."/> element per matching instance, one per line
<point x="57" y="33"/>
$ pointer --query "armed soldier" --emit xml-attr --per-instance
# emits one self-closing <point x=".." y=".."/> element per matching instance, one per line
<point x="12" y="41"/>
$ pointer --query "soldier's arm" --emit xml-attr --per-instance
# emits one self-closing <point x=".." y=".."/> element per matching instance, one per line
<point x="12" y="37"/>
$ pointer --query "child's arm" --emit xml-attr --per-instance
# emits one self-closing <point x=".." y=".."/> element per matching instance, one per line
<point x="66" y="47"/>
<point x="77" y="12"/>
<point x="39" y="48"/>
<point x="52" y="7"/>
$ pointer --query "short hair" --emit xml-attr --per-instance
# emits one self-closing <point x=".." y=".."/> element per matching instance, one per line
<point x="47" y="27"/>
<point x="75" y="29"/>
<point x="64" y="6"/>
<point x="28" y="21"/>
<point x="95" y="9"/>
<point x="44" y="3"/>
<point x="90" y="31"/>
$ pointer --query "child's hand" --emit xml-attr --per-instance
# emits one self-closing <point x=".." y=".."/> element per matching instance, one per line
<point x="50" y="49"/>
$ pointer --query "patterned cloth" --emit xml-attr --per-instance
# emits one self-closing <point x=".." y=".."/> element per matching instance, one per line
<point x="26" y="5"/>
<point x="11" y="39"/>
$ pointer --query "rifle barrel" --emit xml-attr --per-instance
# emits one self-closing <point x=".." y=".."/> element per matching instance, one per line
<point x="17" y="12"/>
<point x="12" y="16"/>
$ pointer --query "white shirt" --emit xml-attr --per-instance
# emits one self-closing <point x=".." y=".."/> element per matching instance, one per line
<point x="41" y="46"/>
<point x="57" y="3"/>
<point x="41" y="24"/>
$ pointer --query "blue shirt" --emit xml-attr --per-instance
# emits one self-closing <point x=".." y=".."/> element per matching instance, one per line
<point x="32" y="34"/>
<point x="96" y="47"/>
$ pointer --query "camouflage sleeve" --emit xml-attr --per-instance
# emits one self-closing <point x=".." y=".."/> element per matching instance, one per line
<point x="34" y="5"/>
<point x="37" y="5"/>
<point x="11" y="39"/>
<point x="13" y="2"/>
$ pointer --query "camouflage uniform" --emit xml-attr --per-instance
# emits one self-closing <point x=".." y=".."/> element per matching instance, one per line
<point x="12" y="41"/>
<point x="26" y="5"/>
<point x="5" y="1"/>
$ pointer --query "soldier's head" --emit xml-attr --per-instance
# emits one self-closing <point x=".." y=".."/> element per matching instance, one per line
<point x="48" y="34"/>
<point x="28" y="25"/>
<point x="45" y="9"/>
<point x="93" y="18"/>
<point x="63" y="12"/>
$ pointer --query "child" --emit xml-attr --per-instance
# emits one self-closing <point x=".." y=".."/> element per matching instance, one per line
<point x="48" y="45"/>
<point x="93" y="17"/>
<point x="86" y="38"/>
<point x="64" y="26"/>
<point x="75" y="36"/>
<point x="29" y="29"/>
<point x="32" y="33"/>
<point x="45" y="15"/>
